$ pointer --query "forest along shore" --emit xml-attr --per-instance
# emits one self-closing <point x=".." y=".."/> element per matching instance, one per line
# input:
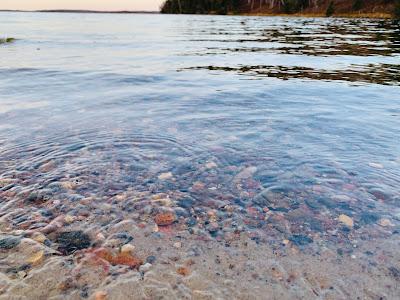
<point x="312" y="8"/>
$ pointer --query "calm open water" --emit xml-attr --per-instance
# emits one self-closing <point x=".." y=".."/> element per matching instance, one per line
<point x="289" y="115"/>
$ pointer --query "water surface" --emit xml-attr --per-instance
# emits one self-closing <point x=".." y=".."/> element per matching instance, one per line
<point x="274" y="127"/>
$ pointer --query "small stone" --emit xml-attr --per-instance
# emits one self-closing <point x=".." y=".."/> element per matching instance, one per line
<point x="9" y="242"/>
<point x="211" y="165"/>
<point x="39" y="237"/>
<point x="71" y="241"/>
<point x="37" y="258"/>
<point x="151" y="259"/>
<point x="165" y="176"/>
<point x="346" y="220"/>
<point x="145" y="268"/>
<point x="285" y="242"/>
<point x="178" y="245"/>
<point x="21" y="274"/>
<point x="300" y="240"/>
<point x="165" y="219"/>
<point x="100" y="295"/>
<point x="183" y="271"/>
<point x="385" y="223"/>
<point x="127" y="248"/>
<point x="69" y="219"/>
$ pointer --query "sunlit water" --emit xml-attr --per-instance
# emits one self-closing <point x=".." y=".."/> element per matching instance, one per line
<point x="278" y="125"/>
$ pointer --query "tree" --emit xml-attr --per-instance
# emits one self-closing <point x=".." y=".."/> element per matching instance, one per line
<point x="358" y="4"/>
<point x="331" y="9"/>
<point x="397" y="10"/>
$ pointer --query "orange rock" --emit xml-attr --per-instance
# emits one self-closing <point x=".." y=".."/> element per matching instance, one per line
<point x="101" y="295"/>
<point x="165" y="219"/>
<point x="124" y="258"/>
<point x="183" y="271"/>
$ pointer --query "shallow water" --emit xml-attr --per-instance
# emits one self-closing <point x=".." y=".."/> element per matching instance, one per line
<point x="272" y="127"/>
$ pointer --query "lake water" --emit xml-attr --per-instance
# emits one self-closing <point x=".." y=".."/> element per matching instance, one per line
<point x="281" y="129"/>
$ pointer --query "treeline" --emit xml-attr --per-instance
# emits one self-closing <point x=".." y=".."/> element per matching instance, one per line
<point x="201" y="6"/>
<point x="277" y="6"/>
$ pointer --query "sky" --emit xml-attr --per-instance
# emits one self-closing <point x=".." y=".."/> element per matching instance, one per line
<point x="81" y="4"/>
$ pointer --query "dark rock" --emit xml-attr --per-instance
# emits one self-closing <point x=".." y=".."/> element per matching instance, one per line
<point x="395" y="272"/>
<point x="300" y="240"/>
<point x="151" y="259"/>
<point x="185" y="203"/>
<point x="9" y="242"/>
<point x="191" y="222"/>
<point x="369" y="218"/>
<point x="71" y="241"/>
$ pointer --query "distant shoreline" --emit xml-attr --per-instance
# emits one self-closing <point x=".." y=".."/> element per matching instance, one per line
<point x="81" y="11"/>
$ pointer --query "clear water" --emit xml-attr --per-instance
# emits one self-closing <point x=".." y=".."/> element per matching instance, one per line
<point x="253" y="117"/>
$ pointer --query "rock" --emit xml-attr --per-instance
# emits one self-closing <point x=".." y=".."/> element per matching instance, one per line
<point x="346" y="220"/>
<point x="100" y="295"/>
<point x="369" y="218"/>
<point x="183" y="271"/>
<point x="21" y="274"/>
<point x="178" y="245"/>
<point x="37" y="258"/>
<point x="191" y="222"/>
<point x="9" y="242"/>
<point x="385" y="223"/>
<point x="69" y="219"/>
<point x="145" y="268"/>
<point x="125" y="258"/>
<point x="151" y="259"/>
<point x="165" y="219"/>
<point x="185" y="203"/>
<point x="71" y="241"/>
<point x="300" y="240"/>
<point x="211" y="165"/>
<point x="165" y="176"/>
<point x="39" y="237"/>
<point x="127" y="248"/>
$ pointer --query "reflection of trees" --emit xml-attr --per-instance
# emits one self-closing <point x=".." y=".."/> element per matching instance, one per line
<point x="374" y="73"/>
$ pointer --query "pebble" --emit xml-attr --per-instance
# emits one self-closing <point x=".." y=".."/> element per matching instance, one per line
<point x="127" y="248"/>
<point x="69" y="219"/>
<point x="165" y="176"/>
<point x="21" y="274"/>
<point x="300" y="240"/>
<point x="346" y="220"/>
<point x="183" y="271"/>
<point x="71" y="241"/>
<point x="211" y="165"/>
<point x="151" y="259"/>
<point x="145" y="268"/>
<point x="100" y="295"/>
<point x="178" y="245"/>
<point x="37" y="258"/>
<point x="385" y="223"/>
<point x="9" y="242"/>
<point x="165" y="219"/>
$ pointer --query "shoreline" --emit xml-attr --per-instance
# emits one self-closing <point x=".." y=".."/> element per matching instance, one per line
<point x="295" y="15"/>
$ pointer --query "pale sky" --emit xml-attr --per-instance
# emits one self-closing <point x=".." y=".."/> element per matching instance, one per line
<point x="81" y="4"/>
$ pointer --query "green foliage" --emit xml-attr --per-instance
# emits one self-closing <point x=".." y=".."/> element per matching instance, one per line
<point x="331" y="9"/>
<point x="358" y="4"/>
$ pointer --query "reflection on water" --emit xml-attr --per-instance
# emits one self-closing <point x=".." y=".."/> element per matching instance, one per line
<point x="379" y="74"/>
<point x="149" y="116"/>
